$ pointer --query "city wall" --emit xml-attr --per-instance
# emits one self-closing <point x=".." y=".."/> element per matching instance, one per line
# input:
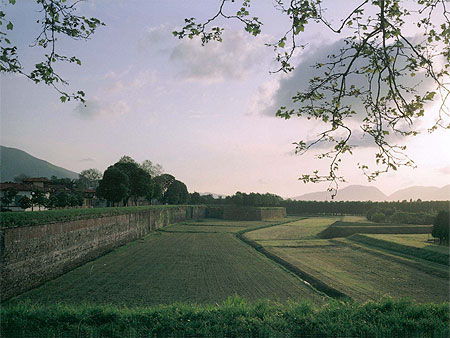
<point x="31" y="255"/>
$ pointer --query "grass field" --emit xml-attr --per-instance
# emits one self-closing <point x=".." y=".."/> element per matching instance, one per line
<point x="164" y="268"/>
<point x="205" y="262"/>
<point x="420" y="241"/>
<point x="302" y="229"/>
<point x="365" y="276"/>
<point x="359" y="272"/>
<point x="411" y="245"/>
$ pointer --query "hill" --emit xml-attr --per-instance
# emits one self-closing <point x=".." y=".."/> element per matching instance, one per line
<point x="350" y="193"/>
<point x="14" y="162"/>
<point x="366" y="193"/>
<point x="424" y="193"/>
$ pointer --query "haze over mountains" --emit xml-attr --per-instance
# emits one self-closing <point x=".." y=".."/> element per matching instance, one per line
<point x="366" y="193"/>
<point x="14" y="162"/>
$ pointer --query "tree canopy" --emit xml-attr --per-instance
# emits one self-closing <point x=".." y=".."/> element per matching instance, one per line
<point x="372" y="84"/>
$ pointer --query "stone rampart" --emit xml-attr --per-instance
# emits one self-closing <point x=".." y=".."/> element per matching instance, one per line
<point x="31" y="255"/>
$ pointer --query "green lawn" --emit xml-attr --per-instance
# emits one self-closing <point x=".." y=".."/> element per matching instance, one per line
<point x="359" y="272"/>
<point x="302" y="229"/>
<point x="164" y="268"/>
<point x="363" y="275"/>
<point x="407" y="245"/>
<point x="415" y="240"/>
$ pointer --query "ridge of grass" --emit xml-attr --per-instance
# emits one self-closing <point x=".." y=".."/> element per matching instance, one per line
<point x="428" y="255"/>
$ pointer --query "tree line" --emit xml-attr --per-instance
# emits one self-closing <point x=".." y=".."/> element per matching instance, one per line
<point x="129" y="182"/>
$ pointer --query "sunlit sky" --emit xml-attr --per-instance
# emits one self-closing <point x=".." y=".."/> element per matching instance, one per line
<point x="206" y="114"/>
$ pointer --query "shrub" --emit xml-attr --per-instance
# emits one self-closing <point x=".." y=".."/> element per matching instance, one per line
<point x="378" y="217"/>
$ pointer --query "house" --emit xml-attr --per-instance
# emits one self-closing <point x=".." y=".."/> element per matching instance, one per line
<point x="22" y="190"/>
<point x="40" y="182"/>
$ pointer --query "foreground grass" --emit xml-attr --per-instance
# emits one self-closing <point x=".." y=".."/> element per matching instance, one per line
<point x="164" y="268"/>
<point x="234" y="318"/>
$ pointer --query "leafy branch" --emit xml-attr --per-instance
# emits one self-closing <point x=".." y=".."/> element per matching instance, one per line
<point x="58" y="18"/>
<point x="376" y="68"/>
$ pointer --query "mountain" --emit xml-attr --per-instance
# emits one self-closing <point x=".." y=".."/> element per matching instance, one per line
<point x="424" y="193"/>
<point x="365" y="193"/>
<point x="350" y="193"/>
<point x="14" y="162"/>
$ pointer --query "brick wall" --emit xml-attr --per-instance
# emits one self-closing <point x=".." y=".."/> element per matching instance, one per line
<point x="32" y="255"/>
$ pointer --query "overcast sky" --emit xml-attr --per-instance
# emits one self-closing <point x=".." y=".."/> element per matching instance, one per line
<point x="206" y="114"/>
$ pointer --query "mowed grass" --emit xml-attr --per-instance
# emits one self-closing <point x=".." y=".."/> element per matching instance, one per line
<point x="163" y="268"/>
<point x="414" y="240"/>
<point x="364" y="275"/>
<point x="409" y="245"/>
<point x="360" y="272"/>
<point x="298" y="230"/>
<point x="220" y="225"/>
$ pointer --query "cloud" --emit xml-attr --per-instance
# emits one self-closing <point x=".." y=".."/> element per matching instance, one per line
<point x="155" y="37"/>
<point x="133" y="82"/>
<point x="93" y="109"/>
<point x="264" y="97"/>
<point x="232" y="59"/>
<point x="299" y="80"/>
<point x="88" y="159"/>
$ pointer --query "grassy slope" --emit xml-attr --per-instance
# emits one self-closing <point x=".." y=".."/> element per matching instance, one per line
<point x="164" y="268"/>
<point x="411" y="245"/>
<point x="414" y="240"/>
<point x="302" y="229"/>
<point x="358" y="273"/>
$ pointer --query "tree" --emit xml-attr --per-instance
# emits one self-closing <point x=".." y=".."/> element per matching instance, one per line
<point x="89" y="178"/>
<point x="375" y="74"/>
<point x="61" y="199"/>
<point x="58" y="19"/>
<point x="164" y="181"/>
<point x="140" y="182"/>
<point x="65" y="182"/>
<point x="441" y="227"/>
<point x="114" y="187"/>
<point x="152" y="169"/>
<point x="177" y="193"/>
<point x="195" y="198"/>
<point x="25" y="202"/>
<point x="38" y="198"/>
<point x="20" y="178"/>
<point x="8" y="197"/>
<point x="75" y="199"/>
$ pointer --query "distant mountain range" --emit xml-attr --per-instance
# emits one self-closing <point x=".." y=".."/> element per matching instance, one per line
<point x="14" y="162"/>
<point x="365" y="193"/>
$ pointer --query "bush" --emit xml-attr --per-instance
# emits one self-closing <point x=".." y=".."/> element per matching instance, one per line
<point x="441" y="227"/>
<point x="378" y="217"/>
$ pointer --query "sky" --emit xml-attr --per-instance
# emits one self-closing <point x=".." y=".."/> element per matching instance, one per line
<point x="205" y="113"/>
